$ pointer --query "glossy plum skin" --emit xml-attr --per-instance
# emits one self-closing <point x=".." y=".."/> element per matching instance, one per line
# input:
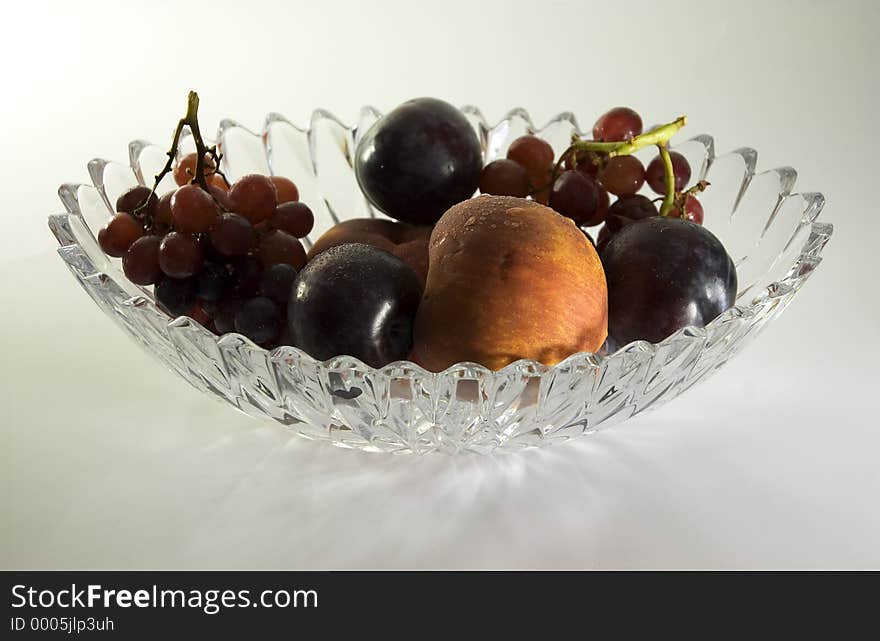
<point x="664" y="274"/>
<point x="418" y="160"/>
<point x="355" y="300"/>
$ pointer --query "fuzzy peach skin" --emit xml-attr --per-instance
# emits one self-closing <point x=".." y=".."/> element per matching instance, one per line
<point x="509" y="278"/>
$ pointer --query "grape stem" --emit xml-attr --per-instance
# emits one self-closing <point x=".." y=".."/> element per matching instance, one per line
<point x="696" y="189"/>
<point x="659" y="136"/>
<point x="669" y="181"/>
<point x="681" y="199"/>
<point x="191" y="119"/>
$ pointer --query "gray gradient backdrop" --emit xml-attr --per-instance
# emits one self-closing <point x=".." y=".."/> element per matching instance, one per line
<point x="108" y="461"/>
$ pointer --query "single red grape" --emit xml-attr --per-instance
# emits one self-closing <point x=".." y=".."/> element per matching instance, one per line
<point x="221" y="197"/>
<point x="216" y="181"/>
<point x="259" y="320"/>
<point x="624" y="211"/>
<point x="285" y="188"/>
<point x="185" y="168"/>
<point x="119" y="233"/>
<point x="620" y="123"/>
<point x="180" y="255"/>
<point x="628" y="209"/>
<point x="233" y="235"/>
<point x="254" y="196"/>
<point x="293" y="217"/>
<point x="504" y="177"/>
<point x="141" y="262"/>
<point x="655" y="173"/>
<point x="536" y="156"/>
<point x="575" y="195"/>
<point x="622" y="175"/>
<point x="541" y="186"/>
<point x="162" y="220"/>
<point x="139" y="201"/>
<point x="176" y="295"/>
<point x="280" y="247"/>
<point x="601" y="210"/>
<point x="193" y="210"/>
<point x="693" y="210"/>
<point x="533" y="153"/>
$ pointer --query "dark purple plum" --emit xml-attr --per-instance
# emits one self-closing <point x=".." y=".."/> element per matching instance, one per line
<point x="664" y="274"/>
<point x="355" y="300"/>
<point x="418" y="160"/>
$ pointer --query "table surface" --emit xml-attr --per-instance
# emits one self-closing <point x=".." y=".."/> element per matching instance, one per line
<point x="108" y="461"/>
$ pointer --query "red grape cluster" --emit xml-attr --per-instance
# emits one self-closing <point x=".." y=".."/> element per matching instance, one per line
<point x="226" y="256"/>
<point x="581" y="183"/>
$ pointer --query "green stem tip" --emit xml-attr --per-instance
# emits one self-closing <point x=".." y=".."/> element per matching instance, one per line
<point x="668" y="180"/>
<point x="659" y="136"/>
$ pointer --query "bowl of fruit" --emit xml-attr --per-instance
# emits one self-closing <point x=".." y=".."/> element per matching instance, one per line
<point x="426" y="281"/>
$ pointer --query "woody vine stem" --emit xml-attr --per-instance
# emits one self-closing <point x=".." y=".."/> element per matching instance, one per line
<point x="191" y="120"/>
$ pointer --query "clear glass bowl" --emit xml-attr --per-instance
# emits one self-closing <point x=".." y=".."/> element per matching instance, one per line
<point x="771" y="233"/>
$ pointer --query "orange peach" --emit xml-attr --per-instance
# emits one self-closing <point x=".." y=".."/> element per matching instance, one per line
<point x="509" y="278"/>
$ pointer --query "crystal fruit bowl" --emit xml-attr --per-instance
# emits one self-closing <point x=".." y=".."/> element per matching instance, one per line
<point x="772" y="234"/>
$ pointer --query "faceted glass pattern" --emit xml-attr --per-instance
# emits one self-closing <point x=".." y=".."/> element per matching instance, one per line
<point x="772" y="234"/>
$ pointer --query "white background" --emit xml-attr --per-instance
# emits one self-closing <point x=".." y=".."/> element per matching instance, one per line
<point x="108" y="461"/>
